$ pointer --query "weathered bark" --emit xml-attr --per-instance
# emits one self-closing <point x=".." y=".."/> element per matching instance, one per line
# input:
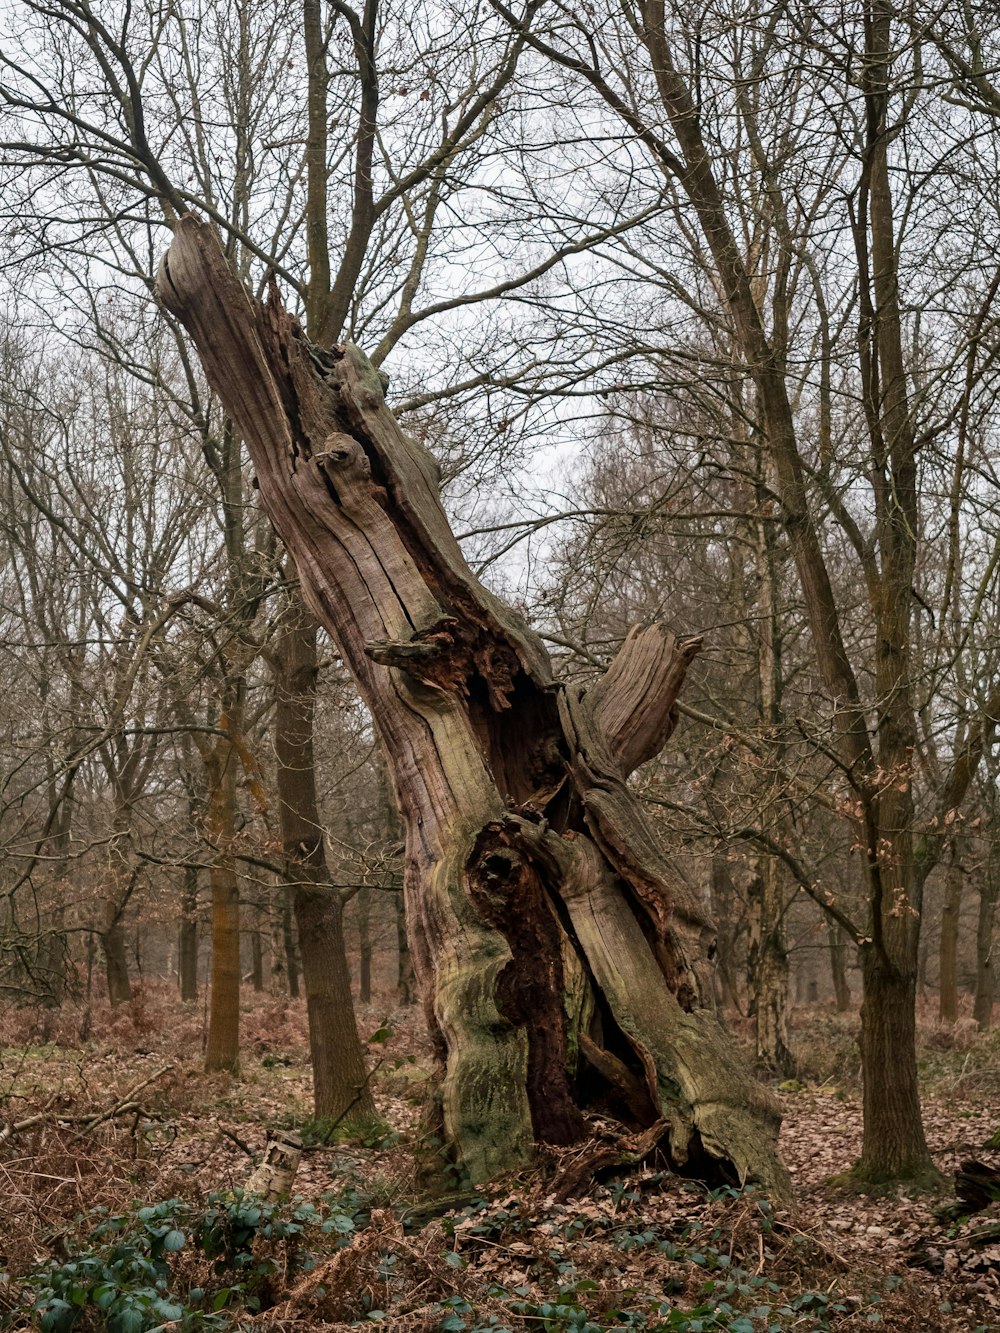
<point x="187" y="951"/>
<point x="274" y="1177"/>
<point x="985" y="949"/>
<point x="340" y="1080"/>
<point x="628" y="700"/>
<point x="838" y="965"/>
<point x="951" y="910"/>
<point x="531" y="874"/>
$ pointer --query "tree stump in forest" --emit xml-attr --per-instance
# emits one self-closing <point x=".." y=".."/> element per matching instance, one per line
<point x="977" y="1185"/>
<point x="274" y="1177"/>
<point x="561" y="957"/>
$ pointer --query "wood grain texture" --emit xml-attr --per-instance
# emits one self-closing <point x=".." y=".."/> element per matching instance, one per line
<point x="543" y="915"/>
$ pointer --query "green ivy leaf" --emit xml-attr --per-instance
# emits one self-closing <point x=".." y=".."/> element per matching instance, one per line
<point x="129" y="1320"/>
<point x="167" y="1311"/>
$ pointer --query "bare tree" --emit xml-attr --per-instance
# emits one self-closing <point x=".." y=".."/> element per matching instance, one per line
<point x="721" y="112"/>
<point x="529" y="864"/>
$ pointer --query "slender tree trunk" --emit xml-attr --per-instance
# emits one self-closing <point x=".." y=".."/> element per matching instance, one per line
<point x="187" y="952"/>
<point x="340" y="1081"/>
<point x="91" y="951"/>
<point x="887" y="816"/>
<point x="54" y="956"/>
<point x="289" y="945"/>
<point x="222" y="1049"/>
<point x="948" y="957"/>
<point x="532" y="874"/>
<point x="767" y="967"/>
<point x="122" y="764"/>
<point x="923" y="965"/>
<point x="256" y="961"/>
<point x="364" y="946"/>
<point x="894" y="1142"/>
<point x="406" y="982"/>
<point x="838" y="965"/>
<point x="767" y="959"/>
<point x="278" y="981"/>
<point x="115" y="957"/>
<point x="723" y="896"/>
<point x="120" y="885"/>
<point x="55" y="950"/>
<point x="895" y="1147"/>
<point x="986" y="950"/>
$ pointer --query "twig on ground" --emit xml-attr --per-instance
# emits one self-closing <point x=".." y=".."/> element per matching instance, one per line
<point x="235" y="1138"/>
<point x="125" y="1106"/>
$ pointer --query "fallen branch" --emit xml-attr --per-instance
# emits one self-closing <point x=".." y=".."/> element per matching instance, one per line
<point x="235" y="1138"/>
<point x="576" y="1174"/>
<point x="125" y="1106"/>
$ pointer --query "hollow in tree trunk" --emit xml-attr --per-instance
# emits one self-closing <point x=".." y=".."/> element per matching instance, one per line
<point x="559" y="954"/>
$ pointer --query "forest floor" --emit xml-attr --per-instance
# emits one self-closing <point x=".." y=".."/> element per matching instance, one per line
<point x="121" y="1164"/>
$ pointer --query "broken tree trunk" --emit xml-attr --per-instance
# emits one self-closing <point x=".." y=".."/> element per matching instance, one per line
<point x="541" y="907"/>
<point x="274" y="1177"/>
